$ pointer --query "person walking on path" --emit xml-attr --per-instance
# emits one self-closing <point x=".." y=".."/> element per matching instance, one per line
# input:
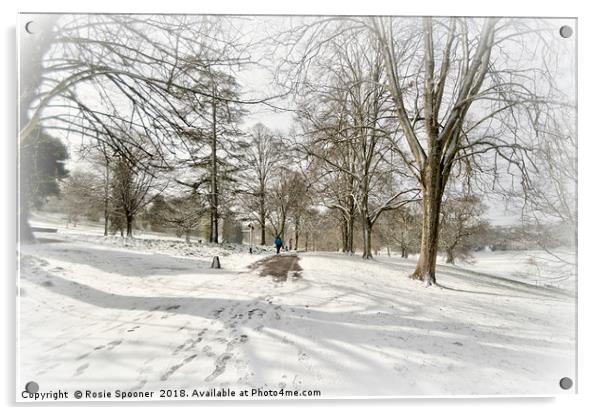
<point x="278" y="243"/>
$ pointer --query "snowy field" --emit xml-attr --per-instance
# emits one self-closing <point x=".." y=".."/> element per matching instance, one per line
<point x="102" y="313"/>
<point x="534" y="267"/>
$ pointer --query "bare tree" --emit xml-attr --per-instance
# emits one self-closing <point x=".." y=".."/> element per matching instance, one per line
<point x="550" y="207"/>
<point x="351" y="135"/>
<point x="461" y="219"/>
<point x="263" y="159"/>
<point x="183" y="213"/>
<point x="301" y="209"/>
<point x="401" y="228"/>
<point x="337" y="189"/>
<point x="98" y="157"/>
<point x="452" y="71"/>
<point x="283" y="197"/>
<point x="81" y="195"/>
<point x="133" y="185"/>
<point x="465" y="90"/>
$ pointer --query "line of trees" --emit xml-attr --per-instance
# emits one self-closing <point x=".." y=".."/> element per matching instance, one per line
<point x="401" y="126"/>
<point x="461" y="95"/>
<point x="348" y="135"/>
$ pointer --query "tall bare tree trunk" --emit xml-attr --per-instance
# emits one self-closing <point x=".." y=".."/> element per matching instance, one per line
<point x="404" y="251"/>
<point x="366" y="222"/>
<point x="129" y="220"/>
<point x="347" y="233"/>
<point x="349" y="219"/>
<point x="432" y="190"/>
<point x="450" y="256"/>
<point x="106" y="199"/>
<point x="450" y="252"/>
<point x="344" y="234"/>
<point x="350" y="226"/>
<point x="297" y="231"/>
<point x="214" y="237"/>
<point x="367" y="228"/>
<point x="262" y="213"/>
<point x="281" y="228"/>
<point x="106" y="214"/>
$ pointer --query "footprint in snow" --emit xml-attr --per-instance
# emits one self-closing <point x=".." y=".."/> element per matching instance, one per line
<point x="113" y="344"/>
<point x="81" y="369"/>
<point x="179" y="348"/>
<point x="139" y="385"/>
<point x="217" y="313"/>
<point x="220" y="366"/>
<point x="285" y="340"/>
<point x="41" y="372"/>
<point x="174" y="368"/>
<point x="256" y="312"/>
<point x="208" y="351"/>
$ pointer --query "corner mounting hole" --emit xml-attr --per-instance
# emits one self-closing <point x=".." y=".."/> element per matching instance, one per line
<point x="32" y="387"/>
<point x="30" y="27"/>
<point x="566" y="383"/>
<point x="566" y="31"/>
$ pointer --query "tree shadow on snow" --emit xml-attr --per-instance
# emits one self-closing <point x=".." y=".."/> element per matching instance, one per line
<point x="348" y="335"/>
<point x="127" y="263"/>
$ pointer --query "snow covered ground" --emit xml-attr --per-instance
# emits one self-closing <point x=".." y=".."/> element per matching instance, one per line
<point x="100" y="313"/>
<point x="535" y="267"/>
<point x="532" y="267"/>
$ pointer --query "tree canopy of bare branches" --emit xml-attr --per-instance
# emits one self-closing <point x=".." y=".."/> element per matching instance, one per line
<point x="466" y="91"/>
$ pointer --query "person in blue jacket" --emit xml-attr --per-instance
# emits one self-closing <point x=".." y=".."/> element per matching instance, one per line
<point x="278" y="243"/>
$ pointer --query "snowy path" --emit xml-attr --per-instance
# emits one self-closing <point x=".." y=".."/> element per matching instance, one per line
<point x="279" y="267"/>
<point x="104" y="317"/>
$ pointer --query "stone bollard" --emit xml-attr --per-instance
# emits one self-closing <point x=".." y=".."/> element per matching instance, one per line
<point x="215" y="263"/>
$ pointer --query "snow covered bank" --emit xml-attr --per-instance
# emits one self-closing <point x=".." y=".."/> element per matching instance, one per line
<point x="533" y="267"/>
